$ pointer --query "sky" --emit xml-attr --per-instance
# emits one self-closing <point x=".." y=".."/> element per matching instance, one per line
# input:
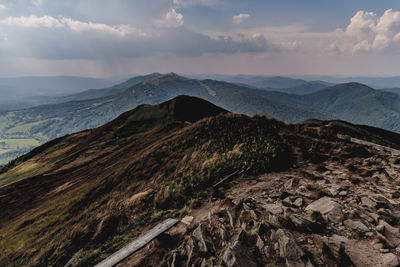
<point x="104" y="38"/>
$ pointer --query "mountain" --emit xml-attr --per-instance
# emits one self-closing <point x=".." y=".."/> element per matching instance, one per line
<point x="374" y="82"/>
<point x="271" y="83"/>
<point x="248" y="191"/>
<point x="307" y="88"/>
<point x="99" y="93"/>
<point x="20" y="92"/>
<point x="20" y="130"/>
<point x="358" y="103"/>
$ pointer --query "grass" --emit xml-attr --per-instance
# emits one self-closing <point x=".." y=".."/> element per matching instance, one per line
<point x="176" y="166"/>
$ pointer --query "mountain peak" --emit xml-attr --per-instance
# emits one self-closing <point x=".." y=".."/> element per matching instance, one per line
<point x="164" y="78"/>
<point x="144" y="118"/>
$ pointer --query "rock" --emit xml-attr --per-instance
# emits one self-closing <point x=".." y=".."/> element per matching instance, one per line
<point x="238" y="255"/>
<point x="328" y="208"/>
<point x="198" y="236"/>
<point x="356" y="225"/>
<point x="380" y="228"/>
<point x="273" y="208"/>
<point x="390" y="260"/>
<point x="187" y="220"/>
<point x="260" y="243"/>
<point x="391" y="233"/>
<point x="290" y="183"/>
<point x="343" y="193"/>
<point x="232" y="216"/>
<point x="288" y="247"/>
<point x="298" y="202"/>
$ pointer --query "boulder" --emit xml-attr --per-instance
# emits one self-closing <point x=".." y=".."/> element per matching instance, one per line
<point x="238" y="255"/>
<point x="356" y="225"/>
<point x="390" y="260"/>
<point x="274" y="208"/>
<point x="327" y="207"/>
<point x="198" y="236"/>
<point x="288" y="247"/>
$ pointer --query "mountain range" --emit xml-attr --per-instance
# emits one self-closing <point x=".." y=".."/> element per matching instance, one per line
<point x="248" y="191"/>
<point x="21" y="130"/>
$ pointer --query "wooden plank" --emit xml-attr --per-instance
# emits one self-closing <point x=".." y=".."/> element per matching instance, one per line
<point x="225" y="179"/>
<point x="137" y="244"/>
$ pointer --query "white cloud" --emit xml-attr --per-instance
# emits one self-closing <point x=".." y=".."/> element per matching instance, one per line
<point x="78" y="26"/>
<point x="186" y="3"/>
<point x="32" y="22"/>
<point x="368" y="32"/>
<point x="2" y="7"/>
<point x="74" y="25"/>
<point x="239" y="18"/>
<point x="171" y="19"/>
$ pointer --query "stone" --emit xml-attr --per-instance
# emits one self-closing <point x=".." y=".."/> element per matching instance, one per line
<point x="198" y="236"/>
<point x="356" y="225"/>
<point x="392" y="234"/>
<point x="288" y="247"/>
<point x="273" y="208"/>
<point x="327" y="207"/>
<point x="380" y="228"/>
<point x="238" y="255"/>
<point x="298" y="202"/>
<point x="187" y="220"/>
<point x="390" y="260"/>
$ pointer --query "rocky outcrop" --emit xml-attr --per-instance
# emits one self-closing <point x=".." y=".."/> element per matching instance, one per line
<point x="344" y="212"/>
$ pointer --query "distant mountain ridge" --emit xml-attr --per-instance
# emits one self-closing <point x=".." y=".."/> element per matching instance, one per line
<point x="351" y="102"/>
<point x="92" y="192"/>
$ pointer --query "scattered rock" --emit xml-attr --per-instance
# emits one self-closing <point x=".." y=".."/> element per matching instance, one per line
<point x="298" y="202"/>
<point x="356" y="225"/>
<point x="327" y="207"/>
<point x="390" y="260"/>
<point x="288" y="247"/>
<point x="273" y="208"/>
<point x="187" y="220"/>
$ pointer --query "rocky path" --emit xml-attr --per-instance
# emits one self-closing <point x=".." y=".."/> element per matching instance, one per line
<point x="344" y="211"/>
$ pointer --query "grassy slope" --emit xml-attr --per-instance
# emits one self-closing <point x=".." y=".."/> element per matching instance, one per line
<point x="95" y="189"/>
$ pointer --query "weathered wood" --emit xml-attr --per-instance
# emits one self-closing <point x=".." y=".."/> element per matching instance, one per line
<point x="226" y="178"/>
<point x="137" y="244"/>
<point x="378" y="147"/>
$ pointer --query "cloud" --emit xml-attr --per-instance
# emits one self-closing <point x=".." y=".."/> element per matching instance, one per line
<point x="369" y="32"/>
<point x="78" y="26"/>
<point x="171" y="19"/>
<point x="239" y="18"/>
<point x="2" y="7"/>
<point x="187" y="3"/>
<point x="32" y="22"/>
<point x="74" y="25"/>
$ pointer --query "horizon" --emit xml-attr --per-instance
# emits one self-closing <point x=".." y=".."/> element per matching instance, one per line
<point x="117" y="38"/>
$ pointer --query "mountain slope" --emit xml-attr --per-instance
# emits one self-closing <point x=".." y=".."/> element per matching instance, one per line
<point x="358" y="103"/>
<point x="83" y="196"/>
<point x="149" y="162"/>
<point x="23" y="129"/>
<point x="43" y="123"/>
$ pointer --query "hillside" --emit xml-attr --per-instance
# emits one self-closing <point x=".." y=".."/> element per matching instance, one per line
<point x="21" y="130"/>
<point x="22" y="92"/>
<point x="293" y="194"/>
<point x="359" y="104"/>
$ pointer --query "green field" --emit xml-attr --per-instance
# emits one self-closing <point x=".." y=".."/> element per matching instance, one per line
<point x="15" y="144"/>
